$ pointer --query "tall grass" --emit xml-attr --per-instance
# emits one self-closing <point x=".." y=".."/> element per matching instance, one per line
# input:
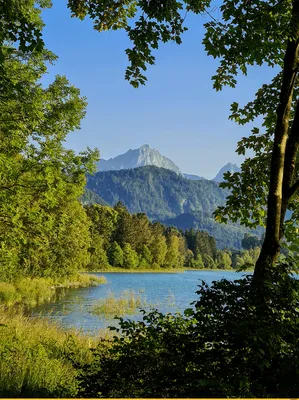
<point x="128" y="303"/>
<point x="37" y="359"/>
<point x="29" y="292"/>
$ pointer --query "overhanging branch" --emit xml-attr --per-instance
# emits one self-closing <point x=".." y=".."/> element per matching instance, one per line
<point x="294" y="189"/>
<point x="289" y="187"/>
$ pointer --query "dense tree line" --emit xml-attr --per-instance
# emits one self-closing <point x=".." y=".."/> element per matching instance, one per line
<point x="131" y="241"/>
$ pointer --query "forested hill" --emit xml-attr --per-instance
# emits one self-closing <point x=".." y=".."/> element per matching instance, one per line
<point x="89" y="197"/>
<point x="158" y="192"/>
<point x="226" y="235"/>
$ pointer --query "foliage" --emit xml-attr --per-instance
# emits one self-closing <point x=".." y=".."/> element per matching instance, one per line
<point x="130" y="241"/>
<point x="223" y="260"/>
<point x="89" y="197"/>
<point x="196" y="262"/>
<point x="29" y="292"/>
<point x="226" y="346"/>
<point x="250" y="241"/>
<point x="98" y="255"/>
<point x="37" y="359"/>
<point x="116" y="255"/>
<point x="131" y="259"/>
<point x="43" y="227"/>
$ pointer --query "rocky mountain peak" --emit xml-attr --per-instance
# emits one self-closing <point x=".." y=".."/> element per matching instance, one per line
<point x="229" y="167"/>
<point x="144" y="155"/>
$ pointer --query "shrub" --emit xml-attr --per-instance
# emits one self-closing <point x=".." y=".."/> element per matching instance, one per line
<point x="234" y="343"/>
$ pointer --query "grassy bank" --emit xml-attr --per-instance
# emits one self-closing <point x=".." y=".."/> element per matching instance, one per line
<point x="29" y="292"/>
<point x="161" y="270"/>
<point x="38" y="359"/>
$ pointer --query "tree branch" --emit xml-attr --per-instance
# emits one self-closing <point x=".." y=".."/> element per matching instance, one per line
<point x="292" y="148"/>
<point x="294" y="189"/>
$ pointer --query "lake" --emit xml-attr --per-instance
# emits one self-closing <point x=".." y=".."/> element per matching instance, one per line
<point x="169" y="292"/>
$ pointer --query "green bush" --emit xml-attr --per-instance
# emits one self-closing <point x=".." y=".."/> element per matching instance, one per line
<point x="234" y="343"/>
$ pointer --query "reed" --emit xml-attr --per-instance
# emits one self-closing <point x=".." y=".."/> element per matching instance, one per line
<point x="128" y="303"/>
<point x="29" y="292"/>
<point x="39" y="359"/>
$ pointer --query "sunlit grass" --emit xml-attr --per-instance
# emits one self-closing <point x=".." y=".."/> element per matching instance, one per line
<point x="29" y="292"/>
<point x="38" y="359"/>
<point x="128" y="303"/>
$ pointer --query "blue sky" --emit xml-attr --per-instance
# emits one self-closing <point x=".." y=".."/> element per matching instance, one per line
<point x="177" y="112"/>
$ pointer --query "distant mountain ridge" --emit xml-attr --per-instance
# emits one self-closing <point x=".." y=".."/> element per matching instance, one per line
<point x="158" y="192"/>
<point x="193" y="177"/>
<point x="144" y="155"/>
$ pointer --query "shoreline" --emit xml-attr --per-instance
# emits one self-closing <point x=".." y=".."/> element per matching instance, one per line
<point x="29" y="292"/>
<point x="154" y="271"/>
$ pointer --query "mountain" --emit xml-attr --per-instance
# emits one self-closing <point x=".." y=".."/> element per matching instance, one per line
<point x="158" y="192"/>
<point x="229" y="167"/>
<point x="193" y="177"/>
<point x="143" y="156"/>
<point x="169" y="198"/>
<point x="90" y="197"/>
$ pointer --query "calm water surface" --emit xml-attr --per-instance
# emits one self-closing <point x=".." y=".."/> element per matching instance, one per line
<point x="169" y="292"/>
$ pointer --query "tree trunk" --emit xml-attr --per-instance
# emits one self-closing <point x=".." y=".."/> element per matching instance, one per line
<point x="276" y="198"/>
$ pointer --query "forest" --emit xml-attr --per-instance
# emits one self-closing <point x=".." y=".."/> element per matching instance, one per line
<point x="130" y="241"/>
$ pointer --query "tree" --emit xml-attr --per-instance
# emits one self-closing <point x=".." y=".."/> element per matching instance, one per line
<point x="250" y="241"/>
<point x="173" y="257"/>
<point x="131" y="259"/>
<point x="43" y="227"/>
<point x="146" y="256"/>
<point x="208" y="261"/>
<point x="98" y="255"/>
<point x="116" y="255"/>
<point x="223" y="260"/>
<point x="104" y="221"/>
<point x="142" y="233"/>
<point x="197" y="262"/>
<point x="158" y="248"/>
<point x="124" y="232"/>
<point x="21" y="23"/>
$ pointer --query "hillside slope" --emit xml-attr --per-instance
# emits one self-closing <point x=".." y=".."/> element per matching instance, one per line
<point x="158" y="192"/>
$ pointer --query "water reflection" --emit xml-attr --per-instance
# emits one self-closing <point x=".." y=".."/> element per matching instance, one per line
<point x="168" y="292"/>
